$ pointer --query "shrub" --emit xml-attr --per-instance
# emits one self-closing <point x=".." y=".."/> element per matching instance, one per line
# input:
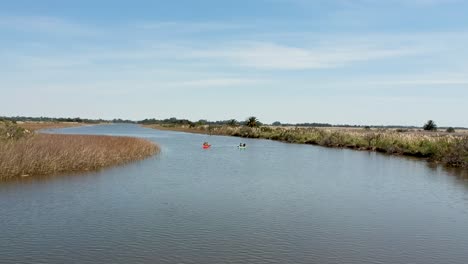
<point x="276" y="123"/>
<point x="457" y="154"/>
<point x="450" y="130"/>
<point x="11" y="131"/>
<point x="232" y="122"/>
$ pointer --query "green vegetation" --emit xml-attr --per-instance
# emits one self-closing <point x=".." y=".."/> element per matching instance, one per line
<point x="430" y="126"/>
<point x="11" y="131"/>
<point x="252" y="122"/>
<point x="443" y="148"/>
<point x="233" y="123"/>
<point x="450" y="130"/>
<point x="276" y="123"/>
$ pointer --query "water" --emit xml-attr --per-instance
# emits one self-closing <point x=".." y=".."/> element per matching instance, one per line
<point x="270" y="203"/>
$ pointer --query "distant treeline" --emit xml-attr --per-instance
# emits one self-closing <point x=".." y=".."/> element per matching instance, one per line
<point x="339" y="125"/>
<point x="63" y="119"/>
<point x="177" y="121"/>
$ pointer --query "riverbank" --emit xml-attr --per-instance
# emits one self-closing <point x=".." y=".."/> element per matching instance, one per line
<point x="24" y="153"/>
<point x="447" y="149"/>
<point x="34" y="126"/>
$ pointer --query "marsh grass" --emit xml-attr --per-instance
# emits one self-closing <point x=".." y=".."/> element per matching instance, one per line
<point x="34" y="126"/>
<point x="451" y="150"/>
<point x="45" y="154"/>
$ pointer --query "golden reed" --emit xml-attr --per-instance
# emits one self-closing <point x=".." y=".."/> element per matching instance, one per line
<point x="44" y="154"/>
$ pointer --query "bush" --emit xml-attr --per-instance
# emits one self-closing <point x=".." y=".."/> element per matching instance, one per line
<point x="457" y="154"/>
<point x="276" y="123"/>
<point x="450" y="130"/>
<point x="11" y="131"/>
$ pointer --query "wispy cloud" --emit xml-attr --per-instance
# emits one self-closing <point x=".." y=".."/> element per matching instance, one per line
<point x="283" y="57"/>
<point x="420" y="3"/>
<point x="424" y="80"/>
<point x="44" y="24"/>
<point x="258" y="55"/>
<point x="216" y="82"/>
<point x="415" y="2"/>
<point x="181" y="26"/>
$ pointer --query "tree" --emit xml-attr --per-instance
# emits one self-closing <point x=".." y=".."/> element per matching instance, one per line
<point x="430" y="126"/>
<point x="252" y="122"/>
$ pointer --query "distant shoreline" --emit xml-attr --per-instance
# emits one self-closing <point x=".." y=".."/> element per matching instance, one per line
<point x="450" y="149"/>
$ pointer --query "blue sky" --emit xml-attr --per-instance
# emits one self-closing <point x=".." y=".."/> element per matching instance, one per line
<point x="342" y="61"/>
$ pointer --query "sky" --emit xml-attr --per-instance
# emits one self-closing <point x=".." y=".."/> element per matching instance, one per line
<point x="393" y="62"/>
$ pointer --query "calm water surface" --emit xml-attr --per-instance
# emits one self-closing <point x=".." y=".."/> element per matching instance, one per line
<point x="270" y="203"/>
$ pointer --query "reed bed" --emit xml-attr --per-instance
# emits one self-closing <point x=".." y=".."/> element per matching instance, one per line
<point x="33" y="126"/>
<point x="44" y="154"/>
<point x="451" y="150"/>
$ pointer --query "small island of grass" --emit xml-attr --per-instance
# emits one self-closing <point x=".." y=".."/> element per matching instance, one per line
<point x="26" y="153"/>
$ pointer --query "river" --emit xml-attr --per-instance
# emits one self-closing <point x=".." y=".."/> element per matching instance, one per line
<point x="270" y="203"/>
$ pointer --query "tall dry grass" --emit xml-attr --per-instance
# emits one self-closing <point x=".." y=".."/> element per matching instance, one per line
<point x="33" y="126"/>
<point x="44" y="154"/>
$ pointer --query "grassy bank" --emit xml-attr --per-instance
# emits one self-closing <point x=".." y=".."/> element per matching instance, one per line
<point x="34" y="126"/>
<point x="24" y="153"/>
<point x="451" y="150"/>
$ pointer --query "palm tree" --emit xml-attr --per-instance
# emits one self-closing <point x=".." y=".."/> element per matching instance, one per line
<point x="430" y="126"/>
<point x="252" y="122"/>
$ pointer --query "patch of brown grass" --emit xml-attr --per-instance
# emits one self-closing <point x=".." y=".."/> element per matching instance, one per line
<point x="44" y="154"/>
<point x="33" y="126"/>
